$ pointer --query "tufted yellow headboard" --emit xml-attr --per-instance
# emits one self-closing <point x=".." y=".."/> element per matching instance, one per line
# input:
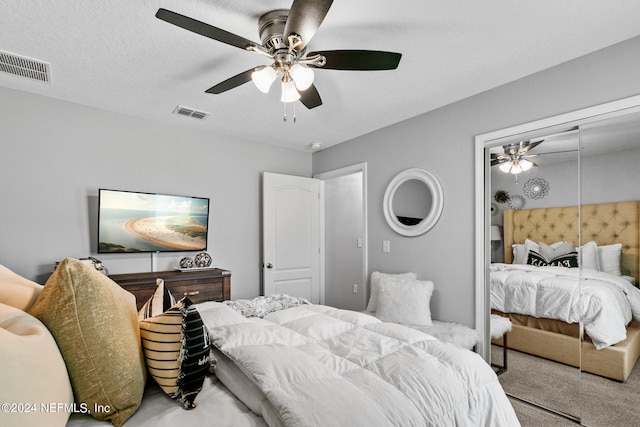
<point x="605" y="223"/>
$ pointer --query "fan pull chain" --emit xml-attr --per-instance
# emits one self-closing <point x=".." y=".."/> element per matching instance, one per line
<point x="284" y="114"/>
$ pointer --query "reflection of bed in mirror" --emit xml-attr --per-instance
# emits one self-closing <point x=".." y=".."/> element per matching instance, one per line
<point x="606" y="224"/>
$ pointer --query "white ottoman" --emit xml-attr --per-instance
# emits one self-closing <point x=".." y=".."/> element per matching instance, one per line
<point x="450" y="332"/>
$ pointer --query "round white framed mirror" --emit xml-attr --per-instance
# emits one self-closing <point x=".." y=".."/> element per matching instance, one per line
<point x="413" y="202"/>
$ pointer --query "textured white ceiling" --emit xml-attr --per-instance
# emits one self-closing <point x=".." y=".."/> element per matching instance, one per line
<point x="117" y="56"/>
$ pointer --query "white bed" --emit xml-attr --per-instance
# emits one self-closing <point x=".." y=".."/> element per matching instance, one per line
<point x="217" y="407"/>
<point x="604" y="303"/>
<point x="76" y="343"/>
<point x="316" y="365"/>
<point x="609" y="261"/>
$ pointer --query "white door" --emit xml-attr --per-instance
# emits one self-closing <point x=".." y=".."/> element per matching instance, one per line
<point x="291" y="220"/>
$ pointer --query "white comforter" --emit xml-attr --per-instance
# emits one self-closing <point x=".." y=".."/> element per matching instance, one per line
<point x="605" y="303"/>
<point x="320" y="366"/>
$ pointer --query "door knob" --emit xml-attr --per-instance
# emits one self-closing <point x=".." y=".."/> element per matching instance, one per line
<point x="269" y="265"/>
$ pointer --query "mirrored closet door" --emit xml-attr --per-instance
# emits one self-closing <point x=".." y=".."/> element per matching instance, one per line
<point x="534" y="204"/>
<point x="610" y="221"/>
<point x="573" y="204"/>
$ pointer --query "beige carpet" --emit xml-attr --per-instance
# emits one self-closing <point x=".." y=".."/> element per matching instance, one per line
<point x="596" y="401"/>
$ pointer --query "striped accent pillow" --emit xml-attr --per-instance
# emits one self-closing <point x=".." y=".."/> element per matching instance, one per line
<point x="161" y="301"/>
<point x="567" y="260"/>
<point x="176" y="349"/>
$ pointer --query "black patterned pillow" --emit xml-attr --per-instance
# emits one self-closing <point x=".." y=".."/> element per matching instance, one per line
<point x="176" y="349"/>
<point x="567" y="260"/>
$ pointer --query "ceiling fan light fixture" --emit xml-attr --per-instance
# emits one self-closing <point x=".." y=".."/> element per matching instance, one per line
<point x="289" y="91"/>
<point x="263" y="78"/>
<point x="302" y="76"/>
<point x="525" y="165"/>
<point x="505" y="167"/>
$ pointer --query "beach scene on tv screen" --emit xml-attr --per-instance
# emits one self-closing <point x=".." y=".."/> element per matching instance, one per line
<point x="140" y="222"/>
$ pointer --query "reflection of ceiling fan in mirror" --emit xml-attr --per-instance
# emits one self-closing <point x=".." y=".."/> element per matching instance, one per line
<point x="285" y="35"/>
<point x="515" y="158"/>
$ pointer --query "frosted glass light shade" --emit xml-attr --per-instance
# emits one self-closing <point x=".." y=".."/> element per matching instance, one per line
<point x="516" y="166"/>
<point x="525" y="165"/>
<point x="289" y="92"/>
<point x="263" y="78"/>
<point x="504" y="167"/>
<point x="302" y="76"/>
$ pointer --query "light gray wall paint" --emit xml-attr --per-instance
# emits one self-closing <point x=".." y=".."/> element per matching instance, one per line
<point x="442" y="142"/>
<point x="55" y="155"/>
<point x="344" y="225"/>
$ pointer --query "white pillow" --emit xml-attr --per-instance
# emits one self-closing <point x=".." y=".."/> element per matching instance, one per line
<point x="609" y="258"/>
<point x="32" y="372"/>
<point x="588" y="256"/>
<point x="405" y="301"/>
<point x="520" y="251"/>
<point x="376" y="279"/>
<point x="555" y="250"/>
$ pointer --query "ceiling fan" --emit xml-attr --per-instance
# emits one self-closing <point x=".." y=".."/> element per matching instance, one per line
<point x="285" y="35"/>
<point x="515" y="158"/>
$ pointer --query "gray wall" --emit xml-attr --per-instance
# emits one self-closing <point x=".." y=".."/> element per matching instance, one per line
<point x="55" y="155"/>
<point x="442" y="142"/>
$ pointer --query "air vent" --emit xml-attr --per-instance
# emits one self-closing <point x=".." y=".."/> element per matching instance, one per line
<point x="24" y="67"/>
<point x="190" y="112"/>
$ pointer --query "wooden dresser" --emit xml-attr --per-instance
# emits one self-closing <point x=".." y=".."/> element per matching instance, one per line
<point x="199" y="285"/>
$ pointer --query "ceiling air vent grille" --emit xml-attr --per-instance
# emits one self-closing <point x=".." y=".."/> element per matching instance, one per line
<point x="190" y="112"/>
<point x="24" y="67"/>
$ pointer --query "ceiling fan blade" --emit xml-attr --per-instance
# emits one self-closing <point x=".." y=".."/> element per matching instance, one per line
<point x="531" y="146"/>
<point x="232" y="82"/>
<point x="305" y="16"/>
<point x="203" y="29"/>
<point x="310" y="97"/>
<point x="359" y="60"/>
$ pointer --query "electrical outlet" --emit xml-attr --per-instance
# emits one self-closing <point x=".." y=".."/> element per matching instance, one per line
<point x="386" y="246"/>
<point x="355" y="289"/>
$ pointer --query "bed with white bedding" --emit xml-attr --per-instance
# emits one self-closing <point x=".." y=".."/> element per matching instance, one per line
<point x="545" y="304"/>
<point x="315" y="366"/>
<point x="603" y="302"/>
<point x="73" y="356"/>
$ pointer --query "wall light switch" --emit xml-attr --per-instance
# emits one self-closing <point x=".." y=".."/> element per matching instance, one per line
<point x="359" y="243"/>
<point x="355" y="288"/>
<point x="386" y="246"/>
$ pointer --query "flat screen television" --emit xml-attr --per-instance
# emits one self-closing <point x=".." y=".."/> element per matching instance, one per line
<point x="130" y="221"/>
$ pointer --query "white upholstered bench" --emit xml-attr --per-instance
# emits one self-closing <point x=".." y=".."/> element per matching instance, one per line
<point x="450" y="332"/>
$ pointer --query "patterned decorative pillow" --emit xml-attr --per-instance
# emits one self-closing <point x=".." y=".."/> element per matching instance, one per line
<point x="161" y="301"/>
<point x="567" y="260"/>
<point x="95" y="324"/>
<point x="176" y="349"/>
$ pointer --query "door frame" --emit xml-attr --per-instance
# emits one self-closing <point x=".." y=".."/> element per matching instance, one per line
<point x="482" y="196"/>
<point x="336" y="173"/>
